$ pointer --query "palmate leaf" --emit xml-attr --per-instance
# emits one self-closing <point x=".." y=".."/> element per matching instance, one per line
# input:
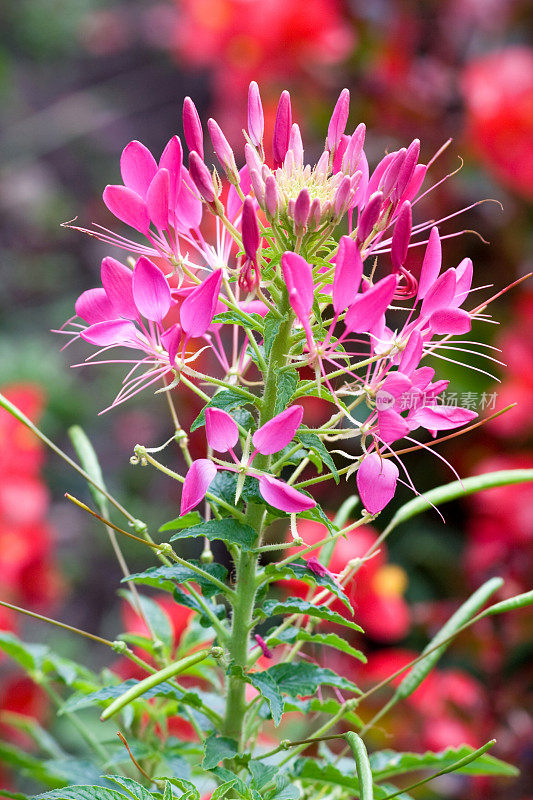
<point x="292" y="635"/>
<point x="218" y="748"/>
<point x="295" y="605"/>
<point x="131" y="787"/>
<point x="167" y="577"/>
<point x="83" y="793"/>
<point x="301" y="572"/>
<point x="388" y="764"/>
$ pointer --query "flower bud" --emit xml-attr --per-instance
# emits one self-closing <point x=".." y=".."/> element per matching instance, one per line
<point x="369" y="217"/>
<point x="223" y="150"/>
<point x="342" y="196"/>
<point x="355" y="148"/>
<point x="256" y="120"/>
<point x="250" y="229"/>
<point x="252" y="159"/>
<point x="201" y="177"/>
<point x="401" y="236"/>
<point x="339" y="118"/>
<point x="406" y="170"/>
<point x="271" y="197"/>
<point x="390" y="176"/>
<point x="282" y="129"/>
<point x="258" y="186"/>
<point x="302" y="207"/>
<point x="296" y="145"/>
<point x="192" y="127"/>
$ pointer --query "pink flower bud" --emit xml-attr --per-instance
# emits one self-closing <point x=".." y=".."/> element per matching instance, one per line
<point x="406" y="170"/>
<point x="315" y="214"/>
<point x="302" y="206"/>
<point x="253" y="162"/>
<point x="221" y="430"/>
<point x="342" y="196"/>
<point x="271" y="197"/>
<point x="282" y="129"/>
<point x="376" y="482"/>
<point x="222" y="149"/>
<point x="338" y="121"/>
<point x="256" y="120"/>
<point x="263" y="645"/>
<point x="401" y="236"/>
<point x="369" y="217"/>
<point x="201" y="177"/>
<point x="390" y="176"/>
<point x="250" y="229"/>
<point x="258" y="186"/>
<point x="296" y="145"/>
<point x="353" y="152"/>
<point x="192" y="127"/>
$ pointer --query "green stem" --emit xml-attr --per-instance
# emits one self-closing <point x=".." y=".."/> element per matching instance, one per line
<point x="246" y="579"/>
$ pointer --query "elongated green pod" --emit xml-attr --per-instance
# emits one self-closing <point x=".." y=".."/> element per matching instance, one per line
<point x="455" y="489"/>
<point x="512" y="604"/>
<point x="464" y="613"/>
<point x="362" y="765"/>
<point x="154" y="680"/>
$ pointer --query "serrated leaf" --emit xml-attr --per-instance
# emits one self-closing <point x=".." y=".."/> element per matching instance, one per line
<point x="227" y="400"/>
<point x="89" y="461"/>
<point x="186" y="521"/>
<point x="388" y="764"/>
<point x="131" y="787"/>
<point x="312" y="441"/>
<point x="302" y="573"/>
<point x="268" y="688"/>
<point x="309" y="770"/>
<point x="271" y="327"/>
<point x="167" y="577"/>
<point x="262" y="773"/>
<point x="83" y="793"/>
<point x="295" y="605"/>
<point x="251" y="321"/>
<point x="226" y="530"/>
<point x="221" y="790"/>
<point x="218" y="748"/>
<point x="317" y="515"/>
<point x="304" y="678"/>
<point x="189" y="789"/>
<point x="286" y="384"/>
<point x="291" y="635"/>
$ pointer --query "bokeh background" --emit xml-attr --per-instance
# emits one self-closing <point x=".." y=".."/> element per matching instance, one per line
<point x="81" y="78"/>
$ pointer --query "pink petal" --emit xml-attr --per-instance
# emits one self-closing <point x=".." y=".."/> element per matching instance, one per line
<point x="158" y="199"/>
<point x="392" y="426"/>
<point x="348" y="272"/>
<point x="188" y="204"/>
<point x="464" y="274"/>
<point x="369" y="307"/>
<point x="112" y="332"/>
<point x="339" y="118"/>
<point x="150" y="290"/>
<point x="450" y="320"/>
<point x="170" y="340"/>
<point x="416" y="182"/>
<point x="198" y="309"/>
<point x="276" y="434"/>
<point x="250" y="229"/>
<point x="376" y="482"/>
<point x="117" y="281"/>
<point x="201" y="177"/>
<point x="440" y="295"/>
<point x="393" y="387"/>
<point x="197" y="481"/>
<point x="422" y="376"/>
<point x="221" y="430"/>
<point x="431" y="264"/>
<point x="412" y="354"/>
<point x="299" y="279"/>
<point x="441" y="418"/>
<point x="137" y="167"/>
<point x="401" y="236"/>
<point x="94" y="306"/>
<point x="284" y="497"/>
<point x="192" y="127"/>
<point x="127" y="206"/>
<point x="282" y="129"/>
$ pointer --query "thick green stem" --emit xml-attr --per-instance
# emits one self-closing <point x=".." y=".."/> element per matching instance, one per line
<point x="246" y="583"/>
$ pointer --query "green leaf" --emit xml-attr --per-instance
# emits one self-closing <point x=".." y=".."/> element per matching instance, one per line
<point x="251" y="321"/>
<point x="291" y="635"/>
<point x="388" y="764"/>
<point x="157" y="619"/>
<point x="268" y="688"/>
<point x="29" y="656"/>
<point x="271" y="327"/>
<point x="189" y="789"/>
<point x="221" y="790"/>
<point x="218" y="748"/>
<point x="362" y="764"/>
<point x="227" y="530"/>
<point x="262" y="773"/>
<point x="302" y="573"/>
<point x="312" y="441"/>
<point x="455" y="489"/>
<point x="82" y="793"/>
<point x="28" y="765"/>
<point x="286" y="384"/>
<point x="313" y="772"/>
<point x="295" y="605"/>
<point x="89" y="461"/>
<point x="304" y="678"/>
<point x="167" y="577"/>
<point x="186" y="521"/>
<point x="133" y="788"/>
<point x="317" y="515"/>
<point x="227" y="400"/>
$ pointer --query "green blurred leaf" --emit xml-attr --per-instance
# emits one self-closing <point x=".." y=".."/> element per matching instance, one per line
<point x="89" y="461"/>
<point x="218" y="748"/>
<point x="387" y="763"/>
